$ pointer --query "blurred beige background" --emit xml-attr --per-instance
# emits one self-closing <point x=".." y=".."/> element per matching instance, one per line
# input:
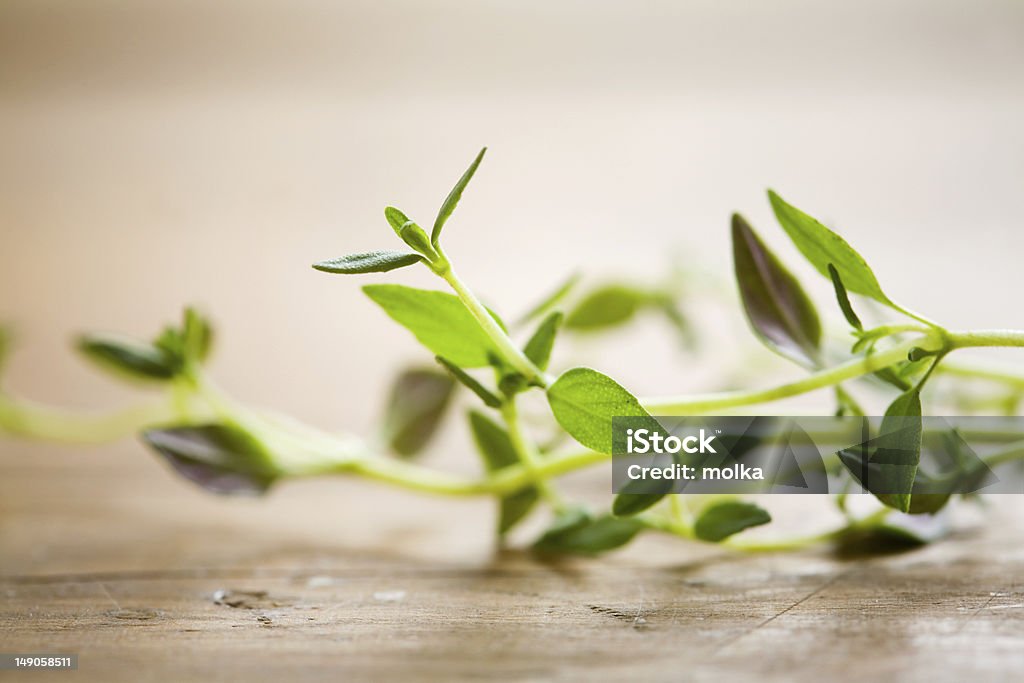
<point x="155" y="154"/>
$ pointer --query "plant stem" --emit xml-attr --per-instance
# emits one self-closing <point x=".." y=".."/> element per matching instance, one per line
<point x="505" y="481"/>
<point x="689" y="405"/>
<point x="963" y="340"/>
<point x="781" y="545"/>
<point x="1011" y="453"/>
<point x="35" y="421"/>
<point x="944" y="341"/>
<point x="512" y="354"/>
<point x="1008" y="375"/>
<point x="527" y="453"/>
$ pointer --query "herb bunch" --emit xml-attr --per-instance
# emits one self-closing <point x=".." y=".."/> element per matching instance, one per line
<point x="227" y="447"/>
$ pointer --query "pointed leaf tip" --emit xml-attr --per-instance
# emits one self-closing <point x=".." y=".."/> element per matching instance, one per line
<point x="453" y="198"/>
<point x="779" y="311"/>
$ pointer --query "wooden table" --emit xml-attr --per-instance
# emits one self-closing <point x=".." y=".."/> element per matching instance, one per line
<point x="103" y="555"/>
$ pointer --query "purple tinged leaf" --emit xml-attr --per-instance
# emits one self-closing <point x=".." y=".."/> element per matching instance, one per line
<point x="219" y="458"/>
<point x="779" y="311"/>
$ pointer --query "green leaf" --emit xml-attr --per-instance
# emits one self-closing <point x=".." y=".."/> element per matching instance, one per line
<point x="415" y="408"/>
<point x="897" y="533"/>
<point x="130" y="358"/>
<point x="453" y="198"/>
<point x="414" y="236"/>
<point x="722" y="520"/>
<point x="220" y="458"/>
<point x="844" y="299"/>
<point x="467" y="380"/>
<point x="368" y="262"/>
<point x="899" y="450"/>
<point x="396" y="219"/>
<point x="551" y="300"/>
<point x="584" y="401"/>
<point x="605" y="307"/>
<point x="576" y="531"/>
<point x="6" y="337"/>
<point x="627" y="503"/>
<point x="438" y="320"/>
<point x="779" y="311"/>
<point x="196" y="336"/>
<point x="822" y="247"/>
<point x="887" y="465"/>
<point x="538" y="349"/>
<point x="496" y="449"/>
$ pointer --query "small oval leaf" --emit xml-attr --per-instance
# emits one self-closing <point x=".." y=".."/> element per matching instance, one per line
<point x="607" y="306"/>
<point x="368" y="262"/>
<point x="721" y="520"/>
<point x="584" y="401"/>
<point x="575" y="531"/>
<point x="396" y="219"/>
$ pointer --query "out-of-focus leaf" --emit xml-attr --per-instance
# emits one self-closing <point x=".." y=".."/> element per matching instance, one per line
<point x="217" y="457"/>
<point x="496" y="449"/>
<point x="629" y="502"/>
<point x="605" y="307"/>
<point x="415" y="408"/>
<point x="196" y="336"/>
<point x="131" y="358"/>
<point x="5" y="345"/>
<point x="719" y="521"/>
<point x="551" y="300"/>
<point x="577" y="532"/>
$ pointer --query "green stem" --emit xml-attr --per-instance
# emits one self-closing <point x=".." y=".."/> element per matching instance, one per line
<point x="511" y="353"/>
<point x="505" y="481"/>
<point x="1011" y="453"/>
<point x="527" y="453"/>
<point x="1008" y="375"/>
<point x="936" y="341"/>
<point x="786" y="544"/>
<point x="689" y="405"/>
<point x="35" y="421"/>
<point x="665" y="524"/>
<point x="979" y="338"/>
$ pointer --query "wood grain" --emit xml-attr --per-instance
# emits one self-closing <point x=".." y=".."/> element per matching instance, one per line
<point x="147" y="579"/>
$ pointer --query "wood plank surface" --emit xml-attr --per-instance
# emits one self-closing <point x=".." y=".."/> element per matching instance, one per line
<point x="104" y="555"/>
